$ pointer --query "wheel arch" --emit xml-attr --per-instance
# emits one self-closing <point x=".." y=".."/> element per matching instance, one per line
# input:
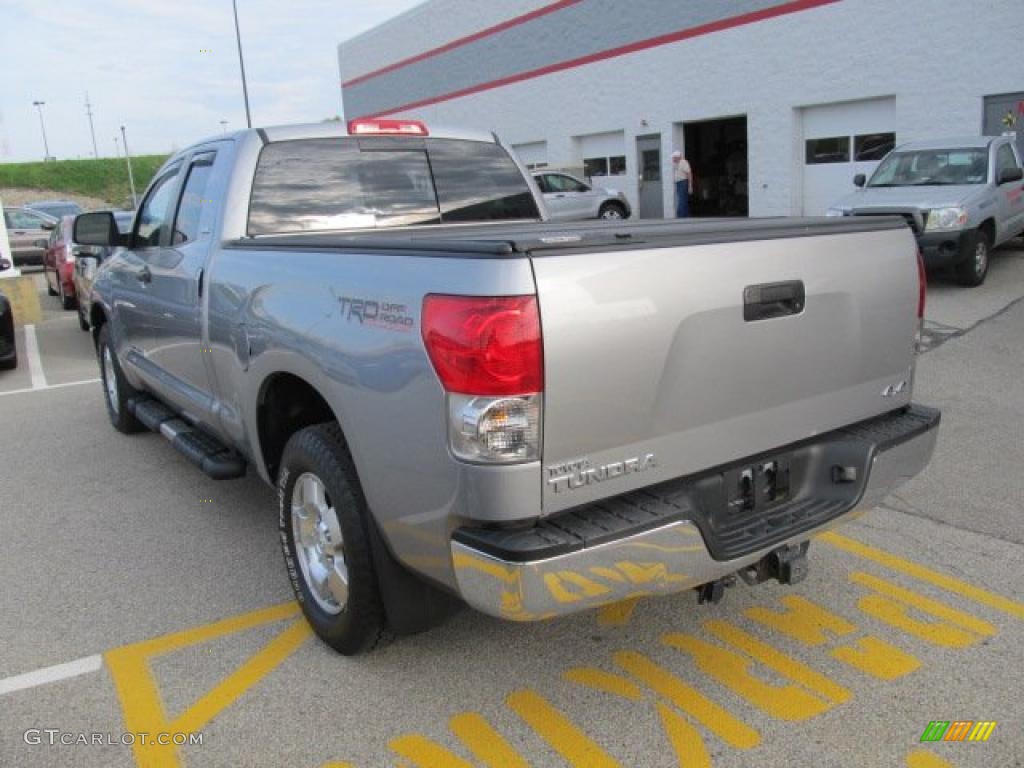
<point x="285" y="404"/>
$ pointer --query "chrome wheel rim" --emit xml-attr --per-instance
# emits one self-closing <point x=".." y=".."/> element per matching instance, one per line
<point x="318" y="544"/>
<point x="611" y="213"/>
<point x="980" y="258"/>
<point x="110" y="379"/>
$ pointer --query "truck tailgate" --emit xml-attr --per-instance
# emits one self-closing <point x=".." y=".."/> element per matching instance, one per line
<point x="653" y="371"/>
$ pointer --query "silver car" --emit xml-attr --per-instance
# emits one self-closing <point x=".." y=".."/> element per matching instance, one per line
<point x="962" y="197"/>
<point x="568" y="198"/>
<point x="25" y="229"/>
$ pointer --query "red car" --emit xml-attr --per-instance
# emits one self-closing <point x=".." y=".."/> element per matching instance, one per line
<point x="59" y="263"/>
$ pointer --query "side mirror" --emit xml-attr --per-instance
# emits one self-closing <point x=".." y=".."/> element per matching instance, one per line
<point x="96" y="229"/>
<point x="1010" y="174"/>
<point x="860" y="180"/>
<point x="48" y="225"/>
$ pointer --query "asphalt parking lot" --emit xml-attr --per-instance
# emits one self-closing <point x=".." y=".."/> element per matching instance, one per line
<point x="141" y="597"/>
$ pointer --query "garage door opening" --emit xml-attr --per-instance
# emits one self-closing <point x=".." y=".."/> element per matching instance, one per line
<point x="717" y="153"/>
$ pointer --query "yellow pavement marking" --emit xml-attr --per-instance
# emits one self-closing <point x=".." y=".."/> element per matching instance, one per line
<point x="617" y="614"/>
<point x="242" y="679"/>
<point x="424" y="753"/>
<point x="685" y="739"/>
<point x="877" y="658"/>
<point x="786" y="702"/>
<point x="578" y="749"/>
<point x="935" y="578"/>
<point x="955" y="629"/>
<point x="922" y="759"/>
<point x="778" y="661"/>
<point x="139" y="695"/>
<point x="604" y="681"/>
<point x="489" y="746"/>
<point x="712" y="716"/>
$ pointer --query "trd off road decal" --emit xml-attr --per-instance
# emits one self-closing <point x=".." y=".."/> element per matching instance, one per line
<point x="377" y="313"/>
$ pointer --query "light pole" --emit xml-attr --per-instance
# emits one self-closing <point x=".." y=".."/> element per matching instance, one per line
<point x="92" y="131"/>
<point x="131" y="178"/>
<point x="224" y="126"/>
<point x="241" y="65"/>
<point x="42" y="126"/>
<point x="117" y="148"/>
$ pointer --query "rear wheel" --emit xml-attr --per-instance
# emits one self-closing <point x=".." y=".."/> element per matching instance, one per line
<point x="324" y="535"/>
<point x="83" y="321"/>
<point x="116" y="389"/>
<point x="66" y="302"/>
<point x="973" y="270"/>
<point x="612" y="211"/>
<point x="50" y="290"/>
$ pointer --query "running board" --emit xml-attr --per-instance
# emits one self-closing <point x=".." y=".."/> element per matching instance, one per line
<point x="213" y="457"/>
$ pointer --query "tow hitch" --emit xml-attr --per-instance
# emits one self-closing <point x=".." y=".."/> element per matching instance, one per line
<point x="787" y="565"/>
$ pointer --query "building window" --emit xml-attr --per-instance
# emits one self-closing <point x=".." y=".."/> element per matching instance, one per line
<point x="873" y="146"/>
<point x="595" y="166"/>
<point x="535" y="166"/>
<point x="617" y="165"/>
<point x="835" y="149"/>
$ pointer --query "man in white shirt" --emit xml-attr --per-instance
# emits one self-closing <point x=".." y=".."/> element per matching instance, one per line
<point x="682" y="175"/>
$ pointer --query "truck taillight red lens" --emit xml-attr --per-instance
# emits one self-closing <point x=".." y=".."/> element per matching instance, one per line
<point x="489" y="356"/>
<point x="485" y="345"/>
<point x="370" y="127"/>
<point x="922" y="282"/>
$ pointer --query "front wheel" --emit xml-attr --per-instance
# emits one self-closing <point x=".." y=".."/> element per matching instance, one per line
<point x="83" y="321"/>
<point x="116" y="389"/>
<point x="973" y="270"/>
<point x="613" y="211"/>
<point x="66" y="302"/>
<point x="322" y="521"/>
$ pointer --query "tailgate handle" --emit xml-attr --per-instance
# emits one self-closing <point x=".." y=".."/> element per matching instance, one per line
<point x="768" y="300"/>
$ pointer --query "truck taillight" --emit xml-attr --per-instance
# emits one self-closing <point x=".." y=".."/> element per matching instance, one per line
<point x="488" y="354"/>
<point x="371" y="127"/>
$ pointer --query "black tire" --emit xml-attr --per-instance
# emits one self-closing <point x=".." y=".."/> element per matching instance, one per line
<point x="117" y="404"/>
<point x="66" y="302"/>
<point x="10" y="363"/>
<point x="50" y="291"/>
<point x="358" y="625"/>
<point x="974" y="268"/>
<point x="612" y="211"/>
<point x="83" y="322"/>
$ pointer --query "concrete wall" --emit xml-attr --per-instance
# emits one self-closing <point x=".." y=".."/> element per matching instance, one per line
<point x="937" y="60"/>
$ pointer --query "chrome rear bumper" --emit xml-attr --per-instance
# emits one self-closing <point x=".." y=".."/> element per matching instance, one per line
<point x="671" y="557"/>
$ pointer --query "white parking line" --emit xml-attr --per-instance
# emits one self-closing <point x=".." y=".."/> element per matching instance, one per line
<point x="51" y="674"/>
<point x="35" y="363"/>
<point x="49" y="386"/>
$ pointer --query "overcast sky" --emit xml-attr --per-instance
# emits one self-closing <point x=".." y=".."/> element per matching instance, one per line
<point x="143" y="64"/>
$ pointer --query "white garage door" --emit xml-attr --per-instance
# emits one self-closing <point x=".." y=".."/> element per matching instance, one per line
<point x="533" y="154"/>
<point x="840" y="141"/>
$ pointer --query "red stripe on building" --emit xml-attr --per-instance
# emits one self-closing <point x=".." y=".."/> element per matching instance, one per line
<point x="642" y="45"/>
<point x="513" y="22"/>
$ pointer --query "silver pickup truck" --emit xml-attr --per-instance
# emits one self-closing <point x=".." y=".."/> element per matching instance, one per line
<point x="459" y="402"/>
<point x="962" y="197"/>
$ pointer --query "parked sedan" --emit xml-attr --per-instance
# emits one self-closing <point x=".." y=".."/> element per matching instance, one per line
<point x="56" y="208"/>
<point x="8" y="351"/>
<point x="567" y="197"/>
<point x="59" y="263"/>
<point x="25" y="229"/>
<point x="87" y="261"/>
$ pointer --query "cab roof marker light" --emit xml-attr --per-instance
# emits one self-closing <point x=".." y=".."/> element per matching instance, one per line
<point x="374" y="127"/>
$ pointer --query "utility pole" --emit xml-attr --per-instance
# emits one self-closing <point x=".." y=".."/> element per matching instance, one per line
<point x="131" y="178"/>
<point x="241" y="64"/>
<point x="88" y="111"/>
<point x="42" y="126"/>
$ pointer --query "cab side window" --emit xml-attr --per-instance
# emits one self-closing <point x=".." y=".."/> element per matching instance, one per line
<point x="193" y="200"/>
<point x="155" y="214"/>
<point x="1005" y="160"/>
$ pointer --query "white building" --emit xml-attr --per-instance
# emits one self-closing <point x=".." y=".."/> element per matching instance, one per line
<point x="775" y="104"/>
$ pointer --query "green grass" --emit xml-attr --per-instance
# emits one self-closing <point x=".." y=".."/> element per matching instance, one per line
<point x="105" y="178"/>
